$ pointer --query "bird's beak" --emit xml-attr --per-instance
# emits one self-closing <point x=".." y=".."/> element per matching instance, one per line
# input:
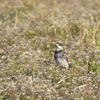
<point x="54" y="42"/>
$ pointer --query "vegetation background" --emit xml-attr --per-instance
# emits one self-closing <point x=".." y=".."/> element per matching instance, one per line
<point x="27" y="67"/>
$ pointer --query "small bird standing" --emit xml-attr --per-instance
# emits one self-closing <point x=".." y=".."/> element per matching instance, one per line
<point x="60" y="56"/>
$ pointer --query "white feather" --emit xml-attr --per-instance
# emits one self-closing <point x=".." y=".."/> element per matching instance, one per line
<point x="59" y="48"/>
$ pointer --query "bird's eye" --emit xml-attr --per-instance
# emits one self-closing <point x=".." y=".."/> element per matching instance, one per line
<point x="60" y="44"/>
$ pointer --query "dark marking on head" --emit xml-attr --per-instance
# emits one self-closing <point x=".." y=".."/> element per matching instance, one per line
<point x="59" y="43"/>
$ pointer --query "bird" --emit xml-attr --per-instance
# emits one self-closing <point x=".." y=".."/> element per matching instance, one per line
<point x="60" y="56"/>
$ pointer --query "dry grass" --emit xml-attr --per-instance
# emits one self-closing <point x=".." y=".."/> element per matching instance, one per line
<point x="27" y="67"/>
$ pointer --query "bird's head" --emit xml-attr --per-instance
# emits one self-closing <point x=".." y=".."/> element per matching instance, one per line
<point x="58" y="45"/>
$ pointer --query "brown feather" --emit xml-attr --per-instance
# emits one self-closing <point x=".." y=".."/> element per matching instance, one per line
<point x="68" y="59"/>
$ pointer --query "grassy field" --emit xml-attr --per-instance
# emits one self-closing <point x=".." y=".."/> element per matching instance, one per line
<point x="27" y="67"/>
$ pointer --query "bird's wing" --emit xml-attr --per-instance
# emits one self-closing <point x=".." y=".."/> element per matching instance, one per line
<point x="68" y="59"/>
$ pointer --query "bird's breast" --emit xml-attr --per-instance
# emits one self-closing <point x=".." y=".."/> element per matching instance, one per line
<point x="62" y="62"/>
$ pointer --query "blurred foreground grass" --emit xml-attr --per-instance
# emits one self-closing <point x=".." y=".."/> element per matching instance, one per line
<point x="27" y="67"/>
